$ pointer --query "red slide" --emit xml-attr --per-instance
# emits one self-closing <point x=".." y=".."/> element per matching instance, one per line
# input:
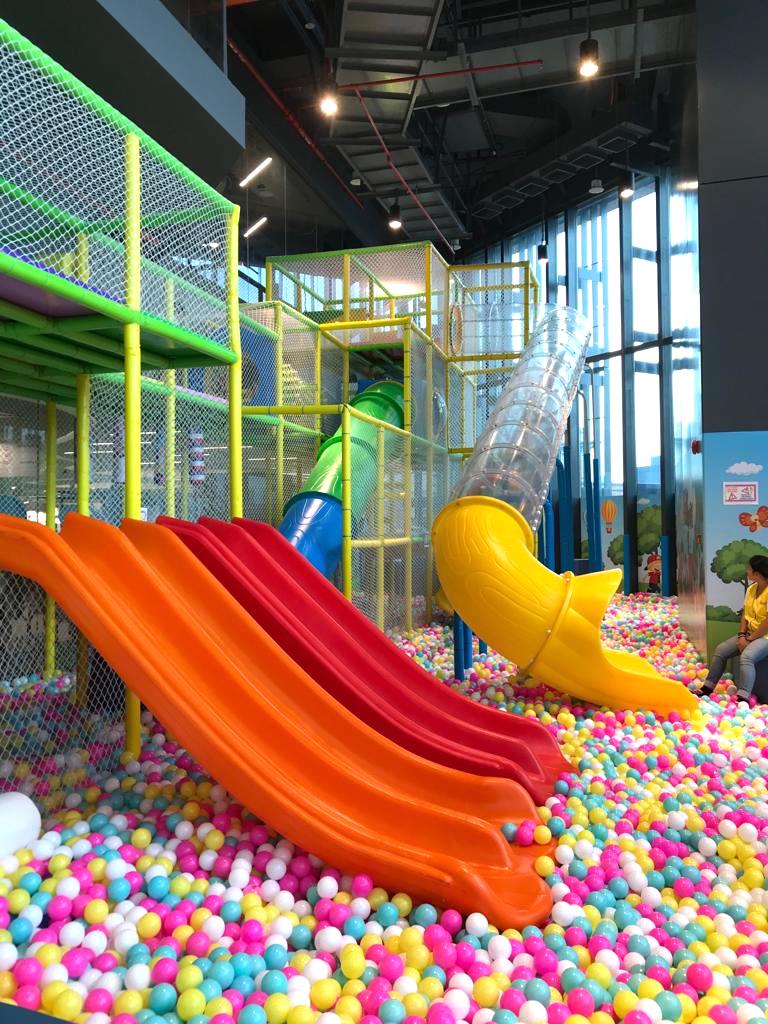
<point x="358" y="665"/>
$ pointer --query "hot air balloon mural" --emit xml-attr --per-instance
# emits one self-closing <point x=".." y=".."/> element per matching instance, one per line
<point x="608" y="512"/>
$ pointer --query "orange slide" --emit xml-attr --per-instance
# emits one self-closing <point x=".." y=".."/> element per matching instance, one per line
<point x="269" y="733"/>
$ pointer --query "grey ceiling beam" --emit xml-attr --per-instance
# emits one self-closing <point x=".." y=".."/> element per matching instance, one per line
<point x="541" y="82"/>
<point x="383" y="52"/>
<point x="578" y="26"/>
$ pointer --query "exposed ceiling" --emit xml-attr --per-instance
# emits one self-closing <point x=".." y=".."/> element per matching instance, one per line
<point x="492" y="125"/>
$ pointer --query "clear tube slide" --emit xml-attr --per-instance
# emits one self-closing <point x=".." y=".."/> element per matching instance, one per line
<point x="515" y="455"/>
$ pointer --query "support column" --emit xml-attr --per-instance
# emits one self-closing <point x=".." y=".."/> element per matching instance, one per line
<point x="733" y="224"/>
<point x="132" y="357"/>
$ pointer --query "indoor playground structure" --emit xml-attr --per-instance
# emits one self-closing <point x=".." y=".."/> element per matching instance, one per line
<point x="341" y="410"/>
<point x="224" y="512"/>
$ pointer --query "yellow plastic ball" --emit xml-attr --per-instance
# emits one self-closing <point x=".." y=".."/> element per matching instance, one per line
<point x="350" y="1007"/>
<point x="325" y="994"/>
<point x="67" y="1005"/>
<point x="301" y="1015"/>
<point x="415" y="1004"/>
<point x="277" y="1008"/>
<point x="218" y="1005"/>
<point x="486" y="992"/>
<point x="189" y="977"/>
<point x="132" y="1002"/>
<point x="623" y="1002"/>
<point x="190" y="1003"/>
<point x="352" y="961"/>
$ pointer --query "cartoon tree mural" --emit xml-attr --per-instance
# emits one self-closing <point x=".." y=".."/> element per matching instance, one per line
<point x="730" y="561"/>
<point x="616" y="550"/>
<point x="649" y="530"/>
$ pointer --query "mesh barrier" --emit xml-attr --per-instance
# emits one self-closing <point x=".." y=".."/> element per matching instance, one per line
<point x="61" y="706"/>
<point x="189" y="479"/>
<point x="63" y="197"/>
<point x="275" y="469"/>
<point x="383" y="282"/>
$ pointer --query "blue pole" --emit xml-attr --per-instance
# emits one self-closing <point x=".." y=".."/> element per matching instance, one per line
<point x="549" y="535"/>
<point x="628" y="556"/>
<point x="468" y="651"/>
<point x="565" y="499"/>
<point x="597" y="503"/>
<point x="590" y="510"/>
<point x="666" y="581"/>
<point x="482" y="647"/>
<point x="458" y="647"/>
<point x="541" y="543"/>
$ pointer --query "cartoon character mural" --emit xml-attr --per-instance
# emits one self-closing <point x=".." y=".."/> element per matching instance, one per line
<point x="653" y="568"/>
<point x="755" y="521"/>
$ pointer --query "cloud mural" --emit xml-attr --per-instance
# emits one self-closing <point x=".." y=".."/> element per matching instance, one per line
<point x="744" y="468"/>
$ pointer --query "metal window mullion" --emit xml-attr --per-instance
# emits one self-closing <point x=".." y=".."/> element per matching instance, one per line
<point x="628" y="389"/>
<point x="666" y="398"/>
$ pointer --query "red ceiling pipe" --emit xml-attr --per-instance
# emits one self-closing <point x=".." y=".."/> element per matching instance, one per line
<point x="395" y="171"/>
<point x="290" y="117"/>
<point x="354" y="86"/>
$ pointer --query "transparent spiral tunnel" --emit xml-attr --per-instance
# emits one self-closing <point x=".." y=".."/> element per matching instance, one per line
<point x="515" y="454"/>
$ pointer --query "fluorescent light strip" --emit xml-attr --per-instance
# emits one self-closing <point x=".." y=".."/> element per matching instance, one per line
<point x="256" y="171"/>
<point x="255" y="227"/>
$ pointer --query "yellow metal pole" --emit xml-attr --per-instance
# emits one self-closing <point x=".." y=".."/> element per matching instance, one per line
<point x="428" y="286"/>
<point x="430" y="497"/>
<point x="280" y="438"/>
<point x="132" y="357"/>
<point x="184" y="464"/>
<point x="345" y="296"/>
<point x="318" y="384"/>
<point x="526" y="303"/>
<point x="380" y="528"/>
<point x="170" y="416"/>
<point x="268" y="275"/>
<point x="50" y="522"/>
<point x="346" y="504"/>
<point x="83" y="429"/>
<point x="408" y="479"/>
<point x="82" y="434"/>
<point x="345" y="374"/>
<point x="235" y="372"/>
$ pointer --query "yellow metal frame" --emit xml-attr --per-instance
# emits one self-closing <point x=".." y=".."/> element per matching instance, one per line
<point x="401" y="332"/>
<point x="83" y="467"/>
<point x="132" y="358"/>
<point x="50" y="522"/>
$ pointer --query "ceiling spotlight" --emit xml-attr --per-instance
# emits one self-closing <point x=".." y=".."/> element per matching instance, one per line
<point x="329" y="105"/>
<point x="589" y="58"/>
<point x="596" y="187"/>
<point x="627" y="186"/>
<point x="255" y="172"/>
<point x="395" y="222"/>
<point x="255" y="227"/>
<point x="541" y="252"/>
<point x="688" y="186"/>
<point x="355" y="182"/>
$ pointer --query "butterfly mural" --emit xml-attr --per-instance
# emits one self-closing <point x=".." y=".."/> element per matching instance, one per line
<point x="755" y="520"/>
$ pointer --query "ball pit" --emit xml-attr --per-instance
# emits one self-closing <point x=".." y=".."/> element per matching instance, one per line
<point x="153" y="898"/>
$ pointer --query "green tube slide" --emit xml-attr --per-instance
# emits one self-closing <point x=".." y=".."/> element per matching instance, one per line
<point x="312" y="521"/>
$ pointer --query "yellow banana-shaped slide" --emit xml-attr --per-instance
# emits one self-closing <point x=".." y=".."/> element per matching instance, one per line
<point x="548" y="625"/>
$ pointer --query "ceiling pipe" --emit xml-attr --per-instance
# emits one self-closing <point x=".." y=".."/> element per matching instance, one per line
<point x="397" y="173"/>
<point x="290" y="117"/>
<point x="376" y="83"/>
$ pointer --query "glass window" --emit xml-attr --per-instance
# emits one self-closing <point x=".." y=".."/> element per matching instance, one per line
<point x="609" y="433"/>
<point x="648" y="467"/>
<point x="645" y="270"/>
<point x="597" y="272"/>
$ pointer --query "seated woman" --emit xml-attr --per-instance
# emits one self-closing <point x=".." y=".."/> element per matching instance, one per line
<point x="751" y="642"/>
